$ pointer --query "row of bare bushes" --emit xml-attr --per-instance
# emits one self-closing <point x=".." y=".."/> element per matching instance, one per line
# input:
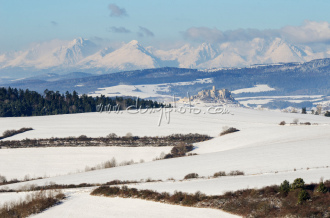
<point x="111" y="140"/>
<point x="54" y="186"/>
<point x="296" y="122"/>
<point x="9" y="133"/>
<point x="110" y="164"/>
<point x="27" y="177"/>
<point x="301" y="200"/>
<point x="215" y="175"/>
<point x="32" y="204"/>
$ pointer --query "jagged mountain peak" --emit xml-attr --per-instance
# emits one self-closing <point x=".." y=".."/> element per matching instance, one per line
<point x="82" y="54"/>
<point x="133" y="43"/>
<point x="128" y="57"/>
<point x="78" y="40"/>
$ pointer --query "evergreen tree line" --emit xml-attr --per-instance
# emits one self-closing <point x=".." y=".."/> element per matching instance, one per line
<point x="17" y="102"/>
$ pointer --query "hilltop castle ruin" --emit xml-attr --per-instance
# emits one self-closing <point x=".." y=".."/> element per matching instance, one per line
<point x="213" y="95"/>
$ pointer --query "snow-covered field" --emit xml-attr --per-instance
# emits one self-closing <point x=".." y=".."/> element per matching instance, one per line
<point x="49" y="162"/>
<point x="262" y="100"/>
<point x="221" y="185"/>
<point x="79" y="203"/>
<point x="267" y="152"/>
<point x="256" y="88"/>
<point x="145" y="91"/>
<point x="262" y="146"/>
<point x="86" y="205"/>
<point x="101" y="124"/>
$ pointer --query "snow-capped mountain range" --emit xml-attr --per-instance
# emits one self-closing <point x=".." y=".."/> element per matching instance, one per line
<point x="85" y="56"/>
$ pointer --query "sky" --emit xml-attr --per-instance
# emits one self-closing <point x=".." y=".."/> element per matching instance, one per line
<point x="161" y="23"/>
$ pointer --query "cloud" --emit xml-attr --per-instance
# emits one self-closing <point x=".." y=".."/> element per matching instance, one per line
<point x="54" y="23"/>
<point x="205" y="34"/>
<point x="309" y="32"/>
<point x="119" y="29"/>
<point x="115" y="11"/>
<point x="145" y="32"/>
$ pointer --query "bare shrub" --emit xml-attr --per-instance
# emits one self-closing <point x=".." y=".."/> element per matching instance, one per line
<point x="168" y="156"/>
<point x="82" y="137"/>
<point x="295" y="121"/>
<point x="125" y="163"/>
<point x="229" y="130"/>
<point x="129" y="135"/>
<point x="191" y="176"/>
<point x="27" y="177"/>
<point x="8" y="133"/>
<point x="282" y="123"/>
<point x="112" y="136"/>
<point x="3" y="179"/>
<point x="192" y="154"/>
<point x="236" y="173"/>
<point x="110" y="164"/>
<point x="179" y="150"/>
<point x="220" y="173"/>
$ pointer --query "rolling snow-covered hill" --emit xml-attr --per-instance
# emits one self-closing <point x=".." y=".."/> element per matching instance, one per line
<point x="267" y="152"/>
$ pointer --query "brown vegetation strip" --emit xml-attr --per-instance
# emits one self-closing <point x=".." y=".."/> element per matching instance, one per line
<point x="9" y="133"/>
<point x="311" y="200"/>
<point x="33" y="204"/>
<point x="111" y="140"/>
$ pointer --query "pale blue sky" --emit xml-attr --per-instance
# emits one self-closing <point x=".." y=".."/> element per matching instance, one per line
<point x="25" y="21"/>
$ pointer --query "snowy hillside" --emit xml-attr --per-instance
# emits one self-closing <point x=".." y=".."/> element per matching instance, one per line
<point x="267" y="152"/>
<point x="65" y="160"/>
<point x="79" y="203"/>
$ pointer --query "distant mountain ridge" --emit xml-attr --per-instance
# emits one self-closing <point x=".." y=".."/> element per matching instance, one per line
<point x="82" y="55"/>
<point x="309" y="78"/>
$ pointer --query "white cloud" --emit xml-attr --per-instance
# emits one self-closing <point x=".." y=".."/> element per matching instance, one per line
<point x="309" y="32"/>
<point x="203" y="34"/>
